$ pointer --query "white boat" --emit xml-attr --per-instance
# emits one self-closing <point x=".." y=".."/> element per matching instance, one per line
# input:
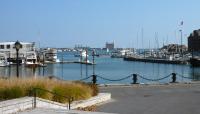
<point x="83" y="56"/>
<point x="3" y="60"/>
<point x="50" y="55"/>
<point x="31" y="59"/>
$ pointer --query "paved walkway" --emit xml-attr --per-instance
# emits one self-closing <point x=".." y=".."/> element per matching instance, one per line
<point x="168" y="99"/>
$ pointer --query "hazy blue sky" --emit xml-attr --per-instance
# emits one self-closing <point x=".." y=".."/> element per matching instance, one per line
<point x="64" y="23"/>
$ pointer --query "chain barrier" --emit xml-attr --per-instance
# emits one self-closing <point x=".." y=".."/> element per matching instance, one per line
<point x="114" y="79"/>
<point x="184" y="76"/>
<point x="148" y="79"/>
<point x="135" y="79"/>
<point x="85" y="78"/>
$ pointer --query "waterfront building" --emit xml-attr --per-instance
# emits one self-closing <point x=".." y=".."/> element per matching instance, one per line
<point x="8" y="48"/>
<point x="174" y="48"/>
<point x="110" y="46"/>
<point x="194" y="41"/>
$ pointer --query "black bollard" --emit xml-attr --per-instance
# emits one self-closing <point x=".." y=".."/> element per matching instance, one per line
<point x="173" y="77"/>
<point x="135" y="79"/>
<point x="94" y="79"/>
<point x="34" y="95"/>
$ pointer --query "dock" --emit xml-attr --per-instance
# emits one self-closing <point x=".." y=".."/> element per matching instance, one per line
<point x="154" y="60"/>
<point x="79" y="62"/>
<point x="84" y="62"/>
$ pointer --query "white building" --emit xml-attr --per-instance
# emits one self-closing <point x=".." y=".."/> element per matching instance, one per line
<point x="8" y="48"/>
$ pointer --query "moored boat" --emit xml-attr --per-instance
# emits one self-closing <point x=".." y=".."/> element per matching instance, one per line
<point x="3" y="60"/>
<point x="31" y="60"/>
<point x="195" y="62"/>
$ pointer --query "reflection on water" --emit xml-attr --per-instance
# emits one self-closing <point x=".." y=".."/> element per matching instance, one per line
<point x="195" y="73"/>
<point x="106" y="67"/>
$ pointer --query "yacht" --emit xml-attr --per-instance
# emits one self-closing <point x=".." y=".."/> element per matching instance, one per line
<point x="31" y="60"/>
<point x="49" y="55"/>
<point x="195" y="61"/>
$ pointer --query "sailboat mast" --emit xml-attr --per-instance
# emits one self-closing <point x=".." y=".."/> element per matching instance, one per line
<point x="142" y="34"/>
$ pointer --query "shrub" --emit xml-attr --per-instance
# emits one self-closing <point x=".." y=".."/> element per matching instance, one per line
<point x="95" y="89"/>
<point x="75" y="91"/>
<point x="40" y="93"/>
<point x="58" y="98"/>
<point x="11" y="92"/>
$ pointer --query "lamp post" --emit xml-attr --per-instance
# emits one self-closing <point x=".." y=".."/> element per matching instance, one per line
<point x="18" y="45"/>
<point x="93" y="54"/>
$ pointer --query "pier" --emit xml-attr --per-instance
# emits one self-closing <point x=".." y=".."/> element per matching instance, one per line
<point x="79" y="62"/>
<point x="154" y="60"/>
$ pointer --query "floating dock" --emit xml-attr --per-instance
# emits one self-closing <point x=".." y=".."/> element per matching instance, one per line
<point x="62" y="62"/>
<point x="83" y="62"/>
<point x="154" y="60"/>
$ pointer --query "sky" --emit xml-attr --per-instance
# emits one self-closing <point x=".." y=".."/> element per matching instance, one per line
<point x="127" y="23"/>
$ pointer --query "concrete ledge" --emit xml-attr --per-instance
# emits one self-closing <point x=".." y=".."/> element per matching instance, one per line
<point x="21" y="104"/>
<point x="43" y="103"/>
<point x="15" y="105"/>
<point x="101" y="97"/>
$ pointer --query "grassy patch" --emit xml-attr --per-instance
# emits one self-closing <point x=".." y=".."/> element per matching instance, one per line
<point x="15" y="88"/>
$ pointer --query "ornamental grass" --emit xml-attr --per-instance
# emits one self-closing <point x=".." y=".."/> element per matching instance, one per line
<point x="21" y="87"/>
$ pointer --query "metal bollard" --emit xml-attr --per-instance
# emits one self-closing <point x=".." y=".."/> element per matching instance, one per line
<point x="70" y="100"/>
<point x="135" y="79"/>
<point x="94" y="79"/>
<point x="173" y="77"/>
<point x="34" y="95"/>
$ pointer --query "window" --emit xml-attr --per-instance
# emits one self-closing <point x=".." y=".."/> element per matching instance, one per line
<point x="20" y="46"/>
<point x="8" y="46"/>
<point x="1" y="46"/>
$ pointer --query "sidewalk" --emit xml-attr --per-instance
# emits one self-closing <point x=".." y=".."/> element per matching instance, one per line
<point x="153" y="99"/>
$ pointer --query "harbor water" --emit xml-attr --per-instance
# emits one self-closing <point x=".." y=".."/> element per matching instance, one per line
<point x="109" y="68"/>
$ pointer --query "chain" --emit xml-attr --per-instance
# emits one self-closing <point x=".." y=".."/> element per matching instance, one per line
<point x="184" y="76"/>
<point x="148" y="79"/>
<point x="114" y="79"/>
<point x="85" y="78"/>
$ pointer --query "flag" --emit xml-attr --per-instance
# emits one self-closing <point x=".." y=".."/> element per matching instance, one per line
<point x="181" y="23"/>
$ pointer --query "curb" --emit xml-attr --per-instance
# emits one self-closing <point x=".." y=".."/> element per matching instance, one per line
<point x="101" y="97"/>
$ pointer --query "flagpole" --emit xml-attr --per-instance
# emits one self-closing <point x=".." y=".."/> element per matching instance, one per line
<point x="181" y="31"/>
<point x="181" y="42"/>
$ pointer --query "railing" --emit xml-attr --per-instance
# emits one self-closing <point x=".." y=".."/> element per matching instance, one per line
<point x="135" y="78"/>
<point x="36" y="90"/>
<point x="15" y="105"/>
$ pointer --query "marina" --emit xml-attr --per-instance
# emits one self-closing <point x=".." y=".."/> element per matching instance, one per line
<point x="99" y="57"/>
<point x="111" y="68"/>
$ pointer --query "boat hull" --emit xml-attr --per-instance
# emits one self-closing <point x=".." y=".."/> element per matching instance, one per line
<point x="195" y="62"/>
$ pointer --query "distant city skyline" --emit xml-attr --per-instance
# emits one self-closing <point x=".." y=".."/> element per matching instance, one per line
<point x="129" y="23"/>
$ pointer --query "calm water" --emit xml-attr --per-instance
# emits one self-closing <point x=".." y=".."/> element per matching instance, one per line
<point x="106" y="67"/>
